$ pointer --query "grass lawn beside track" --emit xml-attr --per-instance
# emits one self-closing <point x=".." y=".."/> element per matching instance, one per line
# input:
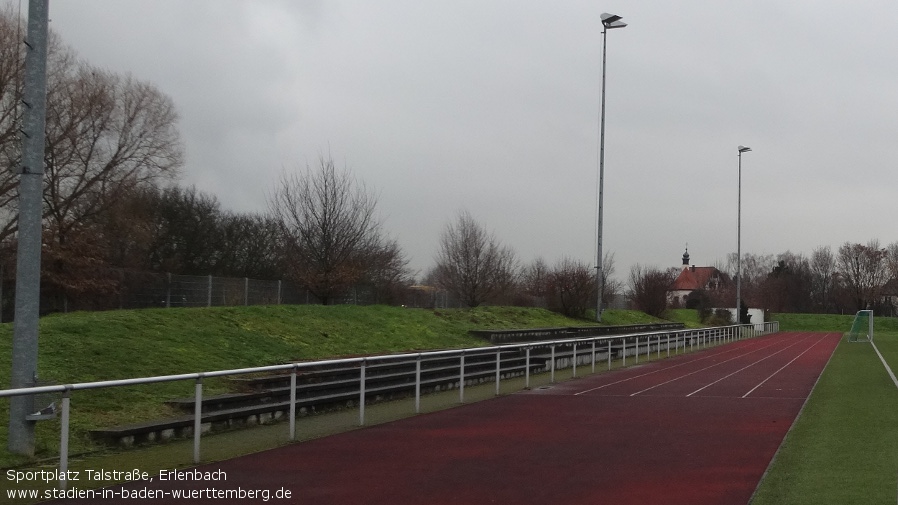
<point x="844" y="447"/>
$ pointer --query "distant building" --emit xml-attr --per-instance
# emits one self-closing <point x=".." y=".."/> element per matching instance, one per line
<point x="693" y="278"/>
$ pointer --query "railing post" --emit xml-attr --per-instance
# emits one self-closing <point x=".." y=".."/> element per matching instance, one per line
<point x="197" y="418"/>
<point x="209" y="293"/>
<point x="637" y="350"/>
<point x="362" y="392"/>
<point x="246" y="291"/>
<point x="574" y="360"/>
<point x="461" y="380"/>
<point x="498" y="369"/>
<point x="527" y="368"/>
<point x="552" y="365"/>
<point x="64" y="440"/>
<point x="624" y="352"/>
<point x="668" y="345"/>
<point x="418" y="385"/>
<point x="293" y="403"/>
<point x="593" y="355"/>
<point x="609" y="354"/>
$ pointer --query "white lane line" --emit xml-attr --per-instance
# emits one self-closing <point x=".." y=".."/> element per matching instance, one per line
<point x="735" y="349"/>
<point x="702" y="370"/>
<point x="888" y="368"/>
<point x="784" y="366"/>
<point x="747" y="366"/>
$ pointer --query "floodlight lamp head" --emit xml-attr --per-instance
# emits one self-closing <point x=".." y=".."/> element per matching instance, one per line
<point x="612" y="21"/>
<point x="743" y="149"/>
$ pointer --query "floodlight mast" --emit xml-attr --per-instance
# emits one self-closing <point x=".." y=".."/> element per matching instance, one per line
<point x="741" y="149"/>
<point x="609" y="21"/>
<point x="28" y="258"/>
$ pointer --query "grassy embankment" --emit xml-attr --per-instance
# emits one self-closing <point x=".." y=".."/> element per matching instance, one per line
<point x="844" y="446"/>
<point x="96" y="346"/>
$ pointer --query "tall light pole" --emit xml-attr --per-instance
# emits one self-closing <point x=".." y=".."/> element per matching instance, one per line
<point x="28" y="258"/>
<point x="609" y="21"/>
<point x="742" y="149"/>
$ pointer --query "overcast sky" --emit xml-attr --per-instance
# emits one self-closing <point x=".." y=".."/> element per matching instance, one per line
<point x="492" y="107"/>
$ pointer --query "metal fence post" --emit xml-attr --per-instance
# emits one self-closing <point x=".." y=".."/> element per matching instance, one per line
<point x="293" y="403"/>
<point x="637" y="350"/>
<point x="498" y="369"/>
<point x="64" y="440"/>
<point x="593" y="356"/>
<point x="362" y="393"/>
<point x="552" y="375"/>
<point x="279" y="291"/>
<point x="168" y="290"/>
<point x="527" y="369"/>
<point x="624" y="352"/>
<point x="197" y="418"/>
<point x="609" y="354"/>
<point x="246" y="291"/>
<point x="574" y="360"/>
<point x="209" y="293"/>
<point x="418" y="385"/>
<point x="461" y="380"/>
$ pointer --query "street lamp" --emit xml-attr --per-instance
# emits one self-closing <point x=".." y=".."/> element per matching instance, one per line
<point x="742" y="149"/>
<point x="609" y="21"/>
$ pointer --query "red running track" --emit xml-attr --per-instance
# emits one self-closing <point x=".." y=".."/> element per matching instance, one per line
<point x="693" y="429"/>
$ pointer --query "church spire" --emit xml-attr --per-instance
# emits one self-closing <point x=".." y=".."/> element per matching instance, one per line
<point x="686" y="257"/>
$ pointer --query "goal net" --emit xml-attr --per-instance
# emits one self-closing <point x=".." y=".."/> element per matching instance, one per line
<point x="862" y="327"/>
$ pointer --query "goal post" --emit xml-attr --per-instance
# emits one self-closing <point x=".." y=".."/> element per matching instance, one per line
<point x="861" y="327"/>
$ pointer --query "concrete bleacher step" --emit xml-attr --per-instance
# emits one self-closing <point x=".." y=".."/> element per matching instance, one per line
<point x="318" y="391"/>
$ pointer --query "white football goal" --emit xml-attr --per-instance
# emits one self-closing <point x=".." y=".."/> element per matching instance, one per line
<point x="862" y="327"/>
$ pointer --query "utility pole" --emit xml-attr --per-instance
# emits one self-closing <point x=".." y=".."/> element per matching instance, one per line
<point x="28" y="260"/>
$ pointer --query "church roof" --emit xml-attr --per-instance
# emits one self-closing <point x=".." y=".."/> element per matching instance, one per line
<point x="693" y="278"/>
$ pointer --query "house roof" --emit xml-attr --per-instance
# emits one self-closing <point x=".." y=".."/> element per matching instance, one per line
<point x="693" y="278"/>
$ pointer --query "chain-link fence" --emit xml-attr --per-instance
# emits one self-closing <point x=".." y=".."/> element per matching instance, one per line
<point x="138" y="289"/>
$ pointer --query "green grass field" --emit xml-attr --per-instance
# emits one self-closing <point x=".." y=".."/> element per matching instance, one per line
<point x="844" y="446"/>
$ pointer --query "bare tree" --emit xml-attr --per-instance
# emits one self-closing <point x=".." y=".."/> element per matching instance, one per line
<point x="611" y="287"/>
<point x="863" y="271"/>
<point x="571" y="287"/>
<point x="106" y="134"/>
<point x="387" y="271"/>
<point x="534" y="280"/>
<point x="329" y="228"/>
<point x="471" y="263"/>
<point x="648" y="288"/>
<point x="823" y="270"/>
<point x="12" y="67"/>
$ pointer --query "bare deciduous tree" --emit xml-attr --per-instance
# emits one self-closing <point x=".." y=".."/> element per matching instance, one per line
<point x="862" y="270"/>
<point x="472" y="264"/>
<point x="823" y="270"/>
<point x="329" y="229"/>
<point x="571" y="287"/>
<point x="106" y="134"/>
<point x="534" y="279"/>
<point x="611" y="287"/>
<point x="648" y="288"/>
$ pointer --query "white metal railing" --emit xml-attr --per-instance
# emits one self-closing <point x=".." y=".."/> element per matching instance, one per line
<point x="624" y="345"/>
